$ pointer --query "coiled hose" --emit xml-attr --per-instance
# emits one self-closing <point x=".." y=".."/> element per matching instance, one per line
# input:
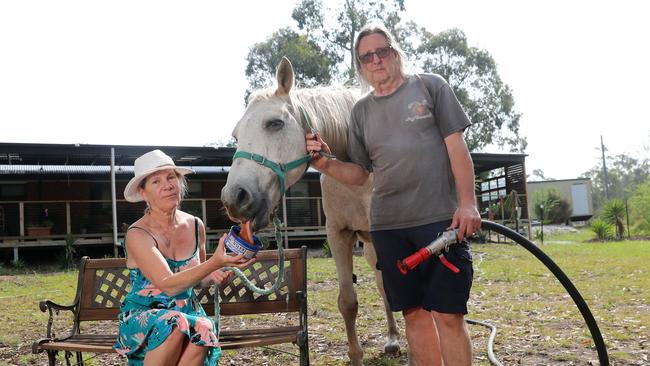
<point x="564" y="280"/>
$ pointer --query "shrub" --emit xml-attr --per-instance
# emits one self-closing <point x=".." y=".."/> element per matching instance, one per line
<point x="639" y="205"/>
<point x="602" y="229"/>
<point x="69" y="252"/>
<point x="556" y="208"/>
<point x="614" y="213"/>
<point x="327" y="251"/>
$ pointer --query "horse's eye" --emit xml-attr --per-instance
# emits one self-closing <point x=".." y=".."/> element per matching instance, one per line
<point x="274" y="124"/>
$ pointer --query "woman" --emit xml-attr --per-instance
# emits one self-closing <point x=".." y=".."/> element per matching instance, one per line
<point x="408" y="132"/>
<point x="162" y="322"/>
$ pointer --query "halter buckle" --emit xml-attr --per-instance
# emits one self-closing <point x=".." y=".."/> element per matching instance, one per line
<point x="259" y="159"/>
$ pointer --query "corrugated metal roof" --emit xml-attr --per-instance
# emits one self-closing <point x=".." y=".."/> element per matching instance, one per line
<point x="90" y="169"/>
<point x="99" y="169"/>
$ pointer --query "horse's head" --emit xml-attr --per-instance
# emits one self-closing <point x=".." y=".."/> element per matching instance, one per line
<point x="271" y="153"/>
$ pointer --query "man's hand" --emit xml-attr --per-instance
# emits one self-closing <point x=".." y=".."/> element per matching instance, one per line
<point x="467" y="220"/>
<point x="314" y="146"/>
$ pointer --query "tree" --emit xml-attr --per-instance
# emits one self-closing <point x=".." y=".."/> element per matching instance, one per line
<point x="640" y="209"/>
<point x="473" y="75"/>
<point x="325" y="38"/>
<point x="624" y="174"/>
<point x="538" y="175"/>
<point x="314" y="63"/>
<point x="350" y="16"/>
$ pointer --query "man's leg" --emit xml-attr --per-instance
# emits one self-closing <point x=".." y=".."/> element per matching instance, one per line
<point x="422" y="337"/>
<point x="454" y="340"/>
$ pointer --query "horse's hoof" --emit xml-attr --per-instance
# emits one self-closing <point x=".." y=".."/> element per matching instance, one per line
<point x="391" y="347"/>
<point x="356" y="359"/>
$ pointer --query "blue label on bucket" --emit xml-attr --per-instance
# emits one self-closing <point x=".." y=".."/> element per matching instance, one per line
<point x="238" y="245"/>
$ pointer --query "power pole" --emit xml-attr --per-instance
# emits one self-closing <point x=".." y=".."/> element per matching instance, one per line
<point x="606" y="180"/>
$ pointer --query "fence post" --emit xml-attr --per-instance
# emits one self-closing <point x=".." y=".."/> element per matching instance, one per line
<point x="21" y="214"/>
<point x="68" y="223"/>
<point x="318" y="204"/>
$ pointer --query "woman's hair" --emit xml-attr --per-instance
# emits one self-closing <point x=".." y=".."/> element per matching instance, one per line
<point x="182" y="185"/>
<point x="377" y="28"/>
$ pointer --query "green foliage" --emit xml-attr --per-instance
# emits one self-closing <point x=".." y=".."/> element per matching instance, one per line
<point x="602" y="229"/>
<point x="312" y="63"/>
<point x="639" y="205"/>
<point x="327" y="251"/>
<point x="510" y="204"/>
<point x="562" y="213"/>
<point x="69" y="252"/>
<point x="321" y="51"/>
<point x="614" y="213"/>
<point x="556" y="208"/>
<point x="624" y="174"/>
<point x="336" y="28"/>
<point x="19" y="264"/>
<point x="472" y="74"/>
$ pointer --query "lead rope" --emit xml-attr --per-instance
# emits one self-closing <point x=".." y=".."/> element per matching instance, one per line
<point x="307" y="125"/>
<point x="250" y="285"/>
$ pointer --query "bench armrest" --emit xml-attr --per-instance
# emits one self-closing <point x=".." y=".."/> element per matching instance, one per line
<point x="54" y="309"/>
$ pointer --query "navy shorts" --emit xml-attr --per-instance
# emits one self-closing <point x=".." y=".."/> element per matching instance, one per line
<point x="430" y="285"/>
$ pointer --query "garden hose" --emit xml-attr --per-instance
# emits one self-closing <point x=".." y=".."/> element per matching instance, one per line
<point x="564" y="280"/>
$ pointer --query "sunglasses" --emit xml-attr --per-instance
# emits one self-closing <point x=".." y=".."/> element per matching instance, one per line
<point x="382" y="53"/>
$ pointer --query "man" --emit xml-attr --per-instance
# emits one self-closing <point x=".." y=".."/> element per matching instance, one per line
<point x="408" y="131"/>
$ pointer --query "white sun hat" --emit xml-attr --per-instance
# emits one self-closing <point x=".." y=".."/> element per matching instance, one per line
<point x="145" y="165"/>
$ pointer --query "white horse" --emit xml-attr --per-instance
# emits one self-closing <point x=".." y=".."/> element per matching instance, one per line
<point x="271" y="155"/>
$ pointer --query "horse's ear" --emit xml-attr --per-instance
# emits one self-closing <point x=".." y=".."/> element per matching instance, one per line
<point x="285" y="77"/>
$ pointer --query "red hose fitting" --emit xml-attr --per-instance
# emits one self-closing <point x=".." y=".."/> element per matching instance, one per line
<point x="413" y="260"/>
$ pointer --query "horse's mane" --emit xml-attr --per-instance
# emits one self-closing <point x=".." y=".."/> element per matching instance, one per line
<point x="328" y="109"/>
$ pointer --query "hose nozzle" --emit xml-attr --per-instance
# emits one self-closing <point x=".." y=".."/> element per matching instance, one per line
<point x="435" y="247"/>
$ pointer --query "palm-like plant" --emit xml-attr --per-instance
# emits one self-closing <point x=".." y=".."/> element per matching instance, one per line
<point x="614" y="213"/>
<point x="602" y="229"/>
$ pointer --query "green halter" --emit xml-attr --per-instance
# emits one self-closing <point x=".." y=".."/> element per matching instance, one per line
<point x="280" y="169"/>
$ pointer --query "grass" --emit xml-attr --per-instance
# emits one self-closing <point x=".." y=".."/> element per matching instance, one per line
<point x="582" y="235"/>
<point x="537" y="321"/>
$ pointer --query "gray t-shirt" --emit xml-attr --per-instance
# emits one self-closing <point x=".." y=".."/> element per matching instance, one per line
<point x="400" y="137"/>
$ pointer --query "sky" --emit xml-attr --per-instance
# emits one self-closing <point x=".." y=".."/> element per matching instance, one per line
<point x="172" y="73"/>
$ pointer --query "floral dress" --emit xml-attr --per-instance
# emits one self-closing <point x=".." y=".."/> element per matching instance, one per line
<point x="148" y="316"/>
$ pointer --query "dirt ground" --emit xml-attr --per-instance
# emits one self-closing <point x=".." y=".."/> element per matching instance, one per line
<point x="525" y="344"/>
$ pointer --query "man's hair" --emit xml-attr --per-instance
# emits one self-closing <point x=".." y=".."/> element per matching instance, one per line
<point x="377" y="28"/>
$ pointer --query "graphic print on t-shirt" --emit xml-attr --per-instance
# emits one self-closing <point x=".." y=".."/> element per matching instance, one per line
<point x="418" y="110"/>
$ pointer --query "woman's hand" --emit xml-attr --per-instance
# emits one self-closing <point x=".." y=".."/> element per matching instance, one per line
<point x="221" y="259"/>
<point x="216" y="278"/>
<point x="314" y="146"/>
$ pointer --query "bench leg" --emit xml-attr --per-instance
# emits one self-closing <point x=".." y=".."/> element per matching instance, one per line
<point x="304" y="354"/>
<point x="80" y="360"/>
<point x="68" y="354"/>
<point x="51" y="358"/>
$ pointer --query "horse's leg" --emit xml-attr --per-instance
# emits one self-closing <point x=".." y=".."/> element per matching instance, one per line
<point x="392" y="343"/>
<point x="341" y="243"/>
